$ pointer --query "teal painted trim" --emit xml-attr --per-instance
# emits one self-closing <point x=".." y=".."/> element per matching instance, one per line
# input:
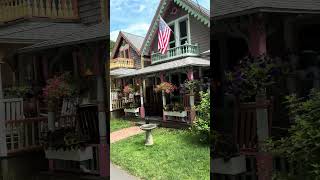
<point x="205" y="20"/>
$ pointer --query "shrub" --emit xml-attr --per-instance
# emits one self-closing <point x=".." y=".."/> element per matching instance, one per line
<point x="201" y="125"/>
<point x="302" y="145"/>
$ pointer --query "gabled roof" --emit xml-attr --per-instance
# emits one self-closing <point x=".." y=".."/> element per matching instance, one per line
<point x="197" y="11"/>
<point x="229" y="8"/>
<point x="135" y="42"/>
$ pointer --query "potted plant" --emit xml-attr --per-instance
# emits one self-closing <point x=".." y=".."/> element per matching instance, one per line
<point x="252" y="77"/>
<point x="66" y="144"/>
<point x="226" y="156"/>
<point x="56" y="89"/>
<point x="25" y="92"/>
<point x="191" y="86"/>
<point x="131" y="107"/>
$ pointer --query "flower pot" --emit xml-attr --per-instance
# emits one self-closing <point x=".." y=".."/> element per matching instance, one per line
<point x="175" y="113"/>
<point x="70" y="155"/>
<point x="234" y="166"/>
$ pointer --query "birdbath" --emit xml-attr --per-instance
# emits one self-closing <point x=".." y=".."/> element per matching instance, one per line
<point x="148" y="128"/>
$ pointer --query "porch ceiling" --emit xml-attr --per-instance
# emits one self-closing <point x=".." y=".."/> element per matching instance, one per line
<point x="121" y="71"/>
<point x="88" y="34"/>
<point x="185" y="62"/>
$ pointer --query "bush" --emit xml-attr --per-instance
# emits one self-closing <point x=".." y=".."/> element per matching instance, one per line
<point x="302" y="145"/>
<point x="201" y="125"/>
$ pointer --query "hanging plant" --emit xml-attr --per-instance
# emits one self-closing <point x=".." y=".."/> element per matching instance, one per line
<point x="56" y="89"/>
<point x="166" y="87"/>
<point x="191" y="85"/>
<point x="88" y="53"/>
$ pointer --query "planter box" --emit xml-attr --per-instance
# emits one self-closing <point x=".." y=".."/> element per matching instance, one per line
<point x="134" y="110"/>
<point x="234" y="166"/>
<point x="175" y="113"/>
<point x="71" y="155"/>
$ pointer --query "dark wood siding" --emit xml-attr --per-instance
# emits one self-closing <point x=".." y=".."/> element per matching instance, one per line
<point x="134" y="55"/>
<point x="200" y="34"/>
<point x="90" y="11"/>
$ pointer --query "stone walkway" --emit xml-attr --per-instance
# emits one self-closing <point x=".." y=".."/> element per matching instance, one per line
<point x="116" y="173"/>
<point x="124" y="133"/>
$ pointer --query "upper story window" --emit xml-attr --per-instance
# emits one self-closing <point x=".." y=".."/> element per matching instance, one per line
<point x="181" y="32"/>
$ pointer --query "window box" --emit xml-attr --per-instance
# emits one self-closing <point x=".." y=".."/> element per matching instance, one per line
<point x="70" y="155"/>
<point x="132" y="110"/>
<point x="234" y="166"/>
<point x="175" y="113"/>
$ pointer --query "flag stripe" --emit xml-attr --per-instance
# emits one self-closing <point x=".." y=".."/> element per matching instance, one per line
<point x="164" y="34"/>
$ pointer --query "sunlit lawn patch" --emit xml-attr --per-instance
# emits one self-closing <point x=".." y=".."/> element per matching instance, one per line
<point x="174" y="155"/>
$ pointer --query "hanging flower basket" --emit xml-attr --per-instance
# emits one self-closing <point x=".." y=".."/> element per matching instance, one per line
<point x="166" y="87"/>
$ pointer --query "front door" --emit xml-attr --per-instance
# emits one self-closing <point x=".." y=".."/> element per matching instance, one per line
<point x="153" y="100"/>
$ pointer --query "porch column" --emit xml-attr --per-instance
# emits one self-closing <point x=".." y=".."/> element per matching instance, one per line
<point x="142" y="110"/>
<point x="163" y="94"/>
<point x="75" y="64"/>
<point x="191" y="97"/>
<point x="264" y="159"/>
<point x="257" y="36"/>
<point x="101" y="83"/>
<point x="3" y="144"/>
<point x="45" y="66"/>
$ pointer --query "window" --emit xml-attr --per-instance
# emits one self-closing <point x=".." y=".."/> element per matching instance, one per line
<point x="183" y="32"/>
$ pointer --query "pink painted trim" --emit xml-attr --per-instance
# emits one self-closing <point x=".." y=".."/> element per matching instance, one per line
<point x="190" y="74"/>
<point x="51" y="165"/>
<point x="257" y="38"/>
<point x="161" y="77"/>
<point x="142" y="112"/>
<point x="164" y="118"/>
<point x="104" y="160"/>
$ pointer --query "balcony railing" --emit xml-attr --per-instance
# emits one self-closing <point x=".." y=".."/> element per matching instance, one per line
<point x="11" y="10"/>
<point x="121" y="63"/>
<point x="177" y="52"/>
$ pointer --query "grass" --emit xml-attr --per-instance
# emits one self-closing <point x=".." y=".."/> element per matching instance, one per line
<point x="117" y="124"/>
<point x="176" y="154"/>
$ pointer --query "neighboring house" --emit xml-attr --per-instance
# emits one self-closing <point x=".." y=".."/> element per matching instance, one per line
<point x="125" y="59"/>
<point x="187" y="59"/>
<point x="38" y="40"/>
<point x="284" y="28"/>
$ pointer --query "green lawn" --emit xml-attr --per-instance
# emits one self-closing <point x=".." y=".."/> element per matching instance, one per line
<point x="117" y="124"/>
<point x="174" y="155"/>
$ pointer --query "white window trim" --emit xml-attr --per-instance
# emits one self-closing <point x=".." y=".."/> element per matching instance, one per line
<point x="175" y="23"/>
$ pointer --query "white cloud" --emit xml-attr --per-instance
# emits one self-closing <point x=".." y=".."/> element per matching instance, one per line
<point x="141" y="8"/>
<point x="138" y="29"/>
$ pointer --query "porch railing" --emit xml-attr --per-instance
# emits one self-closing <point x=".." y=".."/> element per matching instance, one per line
<point x="121" y="63"/>
<point x="176" y="52"/>
<point x="117" y="104"/>
<point x="25" y="134"/>
<point x="246" y="125"/>
<point x="11" y="10"/>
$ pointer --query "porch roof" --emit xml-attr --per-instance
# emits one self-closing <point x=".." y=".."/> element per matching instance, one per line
<point x="90" y="33"/>
<point x="121" y="71"/>
<point x="35" y="32"/>
<point x="185" y="62"/>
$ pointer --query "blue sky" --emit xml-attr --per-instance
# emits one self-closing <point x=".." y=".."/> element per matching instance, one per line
<point x="135" y="16"/>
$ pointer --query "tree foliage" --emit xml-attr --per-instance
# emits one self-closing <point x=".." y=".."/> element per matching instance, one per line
<point x="302" y="145"/>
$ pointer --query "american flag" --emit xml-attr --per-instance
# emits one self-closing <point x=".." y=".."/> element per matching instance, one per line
<point x="163" y="36"/>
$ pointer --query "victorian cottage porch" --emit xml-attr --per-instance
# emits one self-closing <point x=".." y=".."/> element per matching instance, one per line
<point x="41" y="41"/>
<point x="280" y="34"/>
<point x="161" y="87"/>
